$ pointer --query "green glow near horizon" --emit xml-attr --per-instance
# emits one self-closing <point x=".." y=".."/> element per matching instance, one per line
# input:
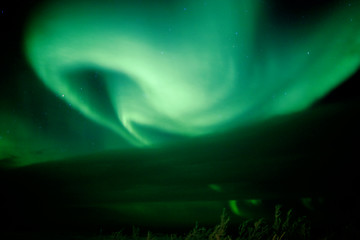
<point x="187" y="69"/>
<point x="247" y="203"/>
<point x="255" y="202"/>
<point x="18" y="139"/>
<point x="234" y="208"/>
<point x="215" y="187"/>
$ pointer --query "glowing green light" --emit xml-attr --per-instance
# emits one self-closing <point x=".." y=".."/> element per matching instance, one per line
<point x="215" y="187"/>
<point x="254" y="202"/>
<point x="14" y="132"/>
<point x="234" y="208"/>
<point x="166" y="72"/>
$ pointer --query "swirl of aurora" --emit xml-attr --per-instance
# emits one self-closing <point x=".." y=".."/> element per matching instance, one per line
<point x="150" y="70"/>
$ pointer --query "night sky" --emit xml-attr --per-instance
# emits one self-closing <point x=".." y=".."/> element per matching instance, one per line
<point x="162" y="113"/>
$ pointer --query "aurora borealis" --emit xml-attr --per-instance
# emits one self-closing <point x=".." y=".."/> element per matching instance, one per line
<point x="187" y="68"/>
<point x="112" y="112"/>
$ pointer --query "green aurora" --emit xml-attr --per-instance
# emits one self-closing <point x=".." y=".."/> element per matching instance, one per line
<point x="187" y="68"/>
<point x="129" y="109"/>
